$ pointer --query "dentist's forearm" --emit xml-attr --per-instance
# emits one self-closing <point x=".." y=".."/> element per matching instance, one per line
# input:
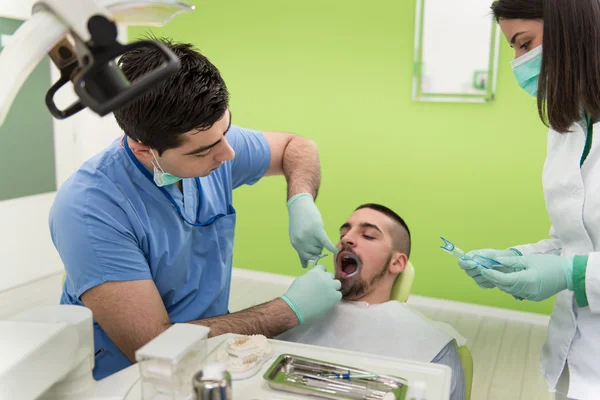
<point x="269" y="319"/>
<point x="301" y="167"/>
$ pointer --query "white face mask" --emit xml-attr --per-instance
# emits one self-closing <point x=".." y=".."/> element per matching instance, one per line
<point x="162" y="178"/>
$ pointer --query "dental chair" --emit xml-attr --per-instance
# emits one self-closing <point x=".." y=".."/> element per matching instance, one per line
<point x="403" y="284"/>
<point x="400" y="292"/>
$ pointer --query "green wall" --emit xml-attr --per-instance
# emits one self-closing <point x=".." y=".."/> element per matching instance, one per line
<point x="340" y="73"/>
<point x="27" y="135"/>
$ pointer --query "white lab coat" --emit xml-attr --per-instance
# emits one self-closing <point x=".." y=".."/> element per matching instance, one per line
<point x="572" y="196"/>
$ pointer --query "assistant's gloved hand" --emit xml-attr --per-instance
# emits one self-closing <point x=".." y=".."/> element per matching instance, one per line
<point x="474" y="270"/>
<point x="313" y="294"/>
<point x="307" y="232"/>
<point x="542" y="275"/>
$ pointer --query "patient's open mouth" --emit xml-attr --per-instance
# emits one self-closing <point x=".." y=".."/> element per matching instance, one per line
<point x="348" y="264"/>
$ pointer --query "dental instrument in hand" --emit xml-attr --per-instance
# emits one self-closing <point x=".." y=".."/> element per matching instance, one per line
<point x="315" y="260"/>
<point x="485" y="262"/>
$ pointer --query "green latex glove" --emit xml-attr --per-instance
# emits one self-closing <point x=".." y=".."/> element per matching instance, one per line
<point x="543" y="276"/>
<point x="307" y="232"/>
<point x="474" y="270"/>
<point x="313" y="294"/>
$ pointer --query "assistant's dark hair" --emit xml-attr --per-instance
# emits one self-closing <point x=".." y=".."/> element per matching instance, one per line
<point x="404" y="243"/>
<point x="570" y="72"/>
<point x="193" y="98"/>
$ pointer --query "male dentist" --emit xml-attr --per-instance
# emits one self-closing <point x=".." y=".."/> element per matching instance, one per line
<point x="145" y="229"/>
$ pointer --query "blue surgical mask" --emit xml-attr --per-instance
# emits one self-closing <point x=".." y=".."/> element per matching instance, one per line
<point x="162" y="178"/>
<point x="527" y="70"/>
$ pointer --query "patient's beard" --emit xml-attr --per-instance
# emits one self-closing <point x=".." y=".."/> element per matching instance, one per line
<point x="355" y="288"/>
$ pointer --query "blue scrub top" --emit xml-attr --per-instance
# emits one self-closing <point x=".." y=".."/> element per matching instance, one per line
<point x="110" y="222"/>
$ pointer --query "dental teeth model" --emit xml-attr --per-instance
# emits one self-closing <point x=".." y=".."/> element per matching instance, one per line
<point x="245" y="355"/>
<point x="241" y="346"/>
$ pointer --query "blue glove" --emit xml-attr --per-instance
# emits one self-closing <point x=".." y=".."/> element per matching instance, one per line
<point x="543" y="276"/>
<point x="313" y="294"/>
<point x="474" y="270"/>
<point x="307" y="232"/>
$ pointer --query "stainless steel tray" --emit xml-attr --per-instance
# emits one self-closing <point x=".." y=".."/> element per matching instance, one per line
<point x="301" y="375"/>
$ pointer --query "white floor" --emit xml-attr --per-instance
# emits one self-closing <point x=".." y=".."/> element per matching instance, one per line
<point x="505" y="347"/>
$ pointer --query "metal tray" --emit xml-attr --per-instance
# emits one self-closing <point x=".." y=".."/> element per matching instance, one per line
<point x="301" y="375"/>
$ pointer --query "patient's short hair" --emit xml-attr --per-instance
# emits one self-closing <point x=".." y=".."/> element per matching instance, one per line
<point x="401" y="235"/>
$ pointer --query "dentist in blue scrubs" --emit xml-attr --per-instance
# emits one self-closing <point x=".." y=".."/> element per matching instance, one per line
<point x="145" y="229"/>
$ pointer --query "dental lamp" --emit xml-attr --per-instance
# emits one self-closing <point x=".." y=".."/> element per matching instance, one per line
<point x="80" y="37"/>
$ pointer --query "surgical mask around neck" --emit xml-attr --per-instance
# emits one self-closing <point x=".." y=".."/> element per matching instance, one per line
<point x="527" y="70"/>
<point x="162" y="178"/>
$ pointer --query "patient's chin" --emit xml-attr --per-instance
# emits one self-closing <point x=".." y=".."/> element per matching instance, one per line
<point x="352" y="295"/>
<point x="353" y="289"/>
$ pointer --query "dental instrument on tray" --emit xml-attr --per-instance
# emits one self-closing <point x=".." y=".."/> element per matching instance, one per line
<point x="485" y="262"/>
<point x="306" y="376"/>
<point x="339" y="387"/>
<point x="350" y="376"/>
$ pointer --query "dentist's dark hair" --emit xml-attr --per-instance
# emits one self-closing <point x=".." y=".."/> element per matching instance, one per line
<point x="193" y="98"/>
<point x="570" y="73"/>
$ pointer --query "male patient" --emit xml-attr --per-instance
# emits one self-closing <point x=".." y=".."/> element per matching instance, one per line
<point x="373" y="251"/>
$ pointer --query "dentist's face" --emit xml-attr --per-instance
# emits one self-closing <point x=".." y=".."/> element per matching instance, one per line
<point x="365" y="252"/>
<point x="523" y="35"/>
<point x="201" y="153"/>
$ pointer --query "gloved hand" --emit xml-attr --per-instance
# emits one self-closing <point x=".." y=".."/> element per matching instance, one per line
<point x="474" y="270"/>
<point x="543" y="275"/>
<point x="313" y="294"/>
<point x="307" y="232"/>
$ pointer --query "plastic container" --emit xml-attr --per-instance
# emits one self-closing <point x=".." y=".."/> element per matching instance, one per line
<point x="169" y="362"/>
